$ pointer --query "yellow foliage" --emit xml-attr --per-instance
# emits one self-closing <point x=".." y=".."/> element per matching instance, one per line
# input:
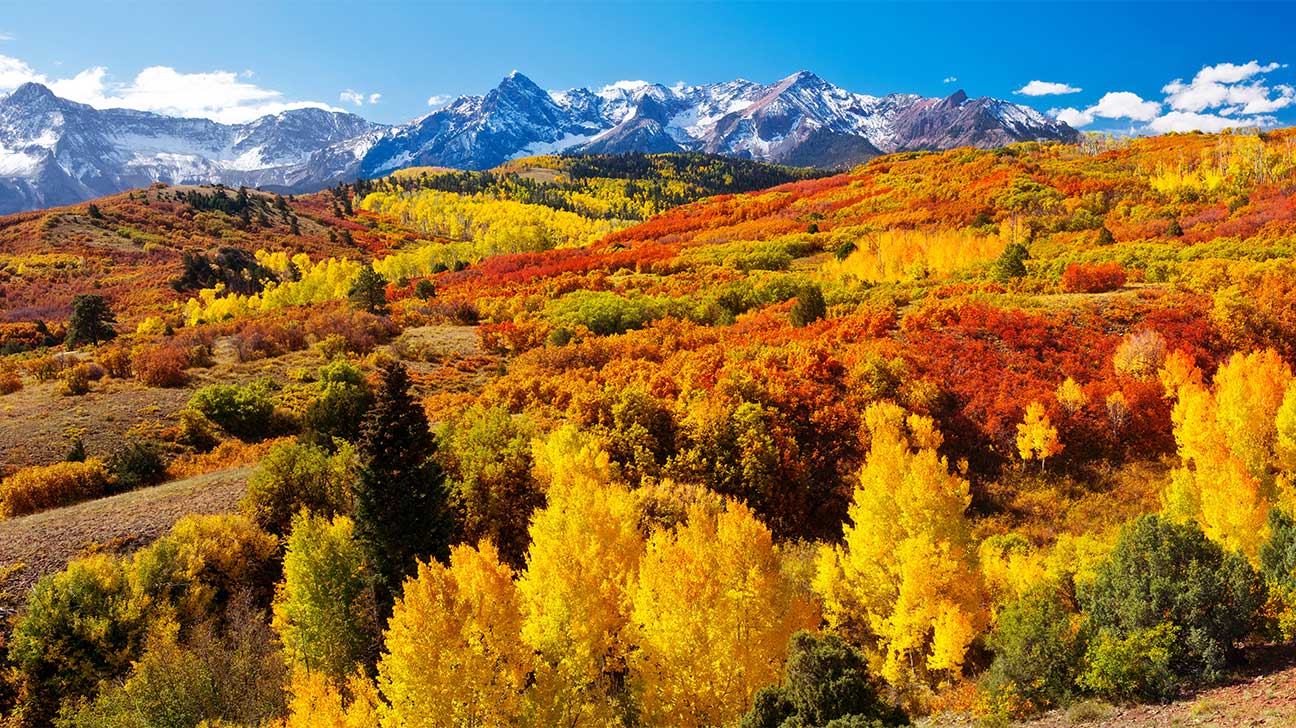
<point x="1071" y="396"/>
<point x="900" y="255"/>
<point x="585" y="550"/>
<point x="1037" y="438"/>
<point x="1228" y="437"/>
<point x="315" y="702"/>
<point x="713" y="614"/>
<point x="503" y="226"/>
<point x="453" y="655"/>
<point x="904" y="580"/>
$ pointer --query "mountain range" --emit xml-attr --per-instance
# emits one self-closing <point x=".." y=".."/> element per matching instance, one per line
<point x="54" y="151"/>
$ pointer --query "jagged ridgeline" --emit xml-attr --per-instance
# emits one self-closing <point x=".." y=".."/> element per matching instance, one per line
<point x="602" y="186"/>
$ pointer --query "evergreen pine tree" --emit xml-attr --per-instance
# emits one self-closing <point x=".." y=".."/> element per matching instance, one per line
<point x="91" y="321"/>
<point x="1012" y="262"/>
<point x="401" y="503"/>
<point x="1175" y="229"/>
<point x="369" y="291"/>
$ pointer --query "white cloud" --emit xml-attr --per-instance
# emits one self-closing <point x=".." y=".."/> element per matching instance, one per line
<point x="1221" y="87"/>
<point x="950" y="79"/>
<point x="358" y="98"/>
<point x="439" y="99"/>
<point x="1046" y="88"/>
<point x="1125" y="105"/>
<point x="1072" y="117"/>
<point x="5" y="36"/>
<point x="1190" y="121"/>
<point x="1222" y="96"/>
<point x="217" y="95"/>
<point x="1113" y="105"/>
<point x="14" y="73"/>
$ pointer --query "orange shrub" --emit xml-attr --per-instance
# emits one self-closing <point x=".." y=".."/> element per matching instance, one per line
<point x="161" y="366"/>
<point x="116" y="361"/>
<point x="10" y="382"/>
<point x="1093" y="278"/>
<point x="362" y="330"/>
<point x="42" y="487"/>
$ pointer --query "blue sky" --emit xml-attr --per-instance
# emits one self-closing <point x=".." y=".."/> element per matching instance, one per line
<point x="385" y="60"/>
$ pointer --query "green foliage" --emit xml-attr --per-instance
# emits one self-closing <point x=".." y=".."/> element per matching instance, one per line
<point x="425" y="289"/>
<point x="1037" y="648"/>
<point x="233" y="674"/>
<point x="1278" y="554"/>
<point x="401" y="505"/>
<point x="91" y="321"/>
<point x="826" y="683"/>
<point x="1164" y="572"/>
<point x="135" y="464"/>
<point x="82" y="626"/>
<point x="605" y="313"/>
<point x="297" y="476"/>
<point x="1011" y="263"/>
<point x="487" y="457"/>
<point x="324" y="611"/>
<point x="343" y="399"/>
<point x="1137" y="666"/>
<point x="809" y="306"/>
<point x="246" y="412"/>
<point x="368" y="291"/>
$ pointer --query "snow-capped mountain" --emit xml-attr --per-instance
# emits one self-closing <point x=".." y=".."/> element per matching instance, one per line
<point x="54" y="151"/>
<point x="800" y="120"/>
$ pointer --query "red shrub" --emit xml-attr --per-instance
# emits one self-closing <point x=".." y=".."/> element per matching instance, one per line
<point x="1093" y="278"/>
<point x="259" y="340"/>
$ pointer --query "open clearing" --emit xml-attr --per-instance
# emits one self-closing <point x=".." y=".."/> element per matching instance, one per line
<point x="43" y="543"/>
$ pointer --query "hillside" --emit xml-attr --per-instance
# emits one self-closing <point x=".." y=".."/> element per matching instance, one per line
<point x="669" y="411"/>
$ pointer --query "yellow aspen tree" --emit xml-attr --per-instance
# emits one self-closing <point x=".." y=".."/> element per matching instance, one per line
<point x="453" y="655"/>
<point x="713" y="613"/>
<point x="1037" y="438"/>
<point x="314" y="701"/>
<point x="1285" y="449"/>
<point x="1071" y="396"/>
<point x="903" y="583"/>
<point x="1230" y="448"/>
<point x="575" y="592"/>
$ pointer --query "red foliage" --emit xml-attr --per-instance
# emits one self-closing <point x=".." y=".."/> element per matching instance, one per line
<point x="1093" y="277"/>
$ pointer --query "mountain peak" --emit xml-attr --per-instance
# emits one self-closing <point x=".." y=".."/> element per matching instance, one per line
<point x="955" y="99"/>
<point x="802" y="79"/>
<point x="31" y="92"/>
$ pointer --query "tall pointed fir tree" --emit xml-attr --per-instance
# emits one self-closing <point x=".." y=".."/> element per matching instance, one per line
<point x="402" y="511"/>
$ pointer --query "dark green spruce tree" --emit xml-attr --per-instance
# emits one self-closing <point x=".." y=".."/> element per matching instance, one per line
<point x="91" y="321"/>
<point x="402" y="512"/>
<point x="369" y="291"/>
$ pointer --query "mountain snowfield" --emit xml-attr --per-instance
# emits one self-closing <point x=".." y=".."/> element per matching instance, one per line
<point x="54" y="151"/>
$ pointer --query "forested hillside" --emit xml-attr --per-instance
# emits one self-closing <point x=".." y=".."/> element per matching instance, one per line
<point x="645" y="441"/>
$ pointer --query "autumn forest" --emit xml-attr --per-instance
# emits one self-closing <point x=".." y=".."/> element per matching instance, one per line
<point x="655" y="440"/>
